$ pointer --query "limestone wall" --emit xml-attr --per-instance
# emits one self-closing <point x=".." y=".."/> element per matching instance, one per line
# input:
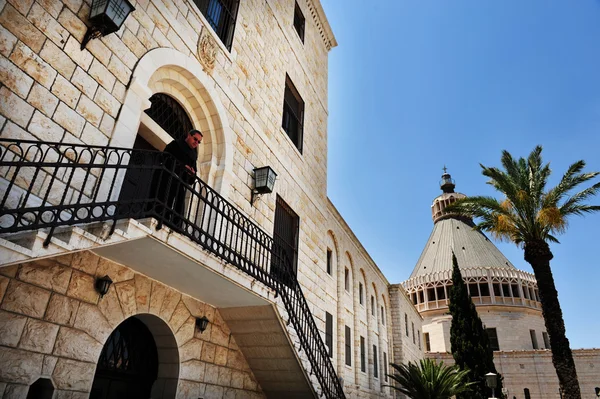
<point x="53" y="325"/>
<point x="533" y="370"/>
<point x="512" y="324"/>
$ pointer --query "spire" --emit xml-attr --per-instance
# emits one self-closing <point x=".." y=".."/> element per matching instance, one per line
<point x="447" y="184"/>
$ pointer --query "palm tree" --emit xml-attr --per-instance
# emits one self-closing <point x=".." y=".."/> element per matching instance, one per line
<point x="429" y="380"/>
<point x="531" y="216"/>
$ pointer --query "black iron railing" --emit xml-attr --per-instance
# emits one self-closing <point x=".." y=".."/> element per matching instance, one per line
<point x="51" y="185"/>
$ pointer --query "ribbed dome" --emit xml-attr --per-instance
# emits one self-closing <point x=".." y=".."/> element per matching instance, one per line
<point x="455" y="233"/>
<point x="472" y="248"/>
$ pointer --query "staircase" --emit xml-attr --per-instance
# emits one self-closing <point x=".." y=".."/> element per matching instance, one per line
<point x="65" y="215"/>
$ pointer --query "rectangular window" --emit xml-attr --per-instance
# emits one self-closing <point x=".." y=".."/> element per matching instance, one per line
<point x="221" y="15"/>
<point x="484" y="289"/>
<point x="329" y="261"/>
<point x="285" y="240"/>
<point x="493" y="337"/>
<point x="441" y="294"/>
<point x="546" y="340"/>
<point x="534" y="342"/>
<point x="293" y="113"/>
<point x="299" y="22"/>
<point x="473" y="289"/>
<point x="372" y="306"/>
<point x="348" y="347"/>
<point x="427" y="343"/>
<point x="414" y="298"/>
<point x="329" y="333"/>
<point x="360" y="293"/>
<point x="385" y="373"/>
<point x="363" y="365"/>
<point x="515" y="290"/>
<point x="347" y="279"/>
<point x="406" y="323"/>
<point x="497" y="290"/>
<point x="375" y="363"/>
<point x="382" y="316"/>
<point x="505" y="291"/>
<point x="413" y="332"/>
<point x="419" y="338"/>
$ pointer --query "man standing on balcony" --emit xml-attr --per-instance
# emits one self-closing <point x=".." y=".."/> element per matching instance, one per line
<point x="178" y="171"/>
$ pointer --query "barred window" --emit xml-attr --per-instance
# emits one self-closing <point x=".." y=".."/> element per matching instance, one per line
<point x="293" y="114"/>
<point x="221" y="15"/>
<point x="348" y="345"/>
<point x="299" y="22"/>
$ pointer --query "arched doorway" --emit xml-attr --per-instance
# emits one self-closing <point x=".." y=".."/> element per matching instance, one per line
<point x="128" y="363"/>
<point x="173" y="119"/>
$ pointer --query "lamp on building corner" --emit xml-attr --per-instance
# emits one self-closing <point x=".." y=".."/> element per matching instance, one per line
<point x="491" y="380"/>
<point x="201" y="323"/>
<point x="264" y="181"/>
<point x="106" y="17"/>
<point x="103" y="285"/>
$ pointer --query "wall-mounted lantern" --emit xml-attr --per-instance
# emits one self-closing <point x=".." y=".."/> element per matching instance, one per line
<point x="103" y="284"/>
<point x="202" y="323"/>
<point x="106" y="17"/>
<point x="264" y="181"/>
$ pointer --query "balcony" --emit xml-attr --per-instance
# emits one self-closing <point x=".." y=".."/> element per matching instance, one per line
<point x="60" y="197"/>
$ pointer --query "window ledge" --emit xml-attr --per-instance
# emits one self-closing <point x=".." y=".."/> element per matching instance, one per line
<point x="291" y="143"/>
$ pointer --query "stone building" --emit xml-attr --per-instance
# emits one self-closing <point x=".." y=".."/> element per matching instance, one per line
<point x="105" y="284"/>
<point x="506" y="299"/>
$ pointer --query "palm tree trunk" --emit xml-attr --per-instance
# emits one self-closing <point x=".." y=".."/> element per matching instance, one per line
<point x="538" y="254"/>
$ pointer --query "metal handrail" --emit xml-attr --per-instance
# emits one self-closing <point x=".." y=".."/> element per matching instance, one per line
<point x="46" y="185"/>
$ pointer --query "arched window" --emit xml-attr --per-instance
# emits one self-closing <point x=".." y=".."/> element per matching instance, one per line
<point x="169" y="115"/>
<point x="128" y="364"/>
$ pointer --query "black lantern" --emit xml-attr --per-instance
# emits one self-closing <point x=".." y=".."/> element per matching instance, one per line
<point x="106" y="17"/>
<point x="264" y="181"/>
<point x="491" y="380"/>
<point x="202" y="323"/>
<point x="103" y="284"/>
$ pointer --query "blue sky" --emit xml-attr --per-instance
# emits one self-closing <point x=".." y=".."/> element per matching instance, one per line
<point x="414" y="85"/>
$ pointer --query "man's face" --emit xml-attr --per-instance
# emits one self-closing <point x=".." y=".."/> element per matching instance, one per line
<point x="193" y="140"/>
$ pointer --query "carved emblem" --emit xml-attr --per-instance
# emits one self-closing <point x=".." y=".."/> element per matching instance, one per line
<point x="207" y="51"/>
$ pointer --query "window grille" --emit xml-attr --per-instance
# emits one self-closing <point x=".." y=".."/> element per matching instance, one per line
<point x="221" y="15"/>
<point x="293" y="114"/>
<point x="169" y="115"/>
<point x="285" y="234"/>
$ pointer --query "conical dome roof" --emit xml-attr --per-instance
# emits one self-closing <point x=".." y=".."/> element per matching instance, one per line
<point x="453" y="233"/>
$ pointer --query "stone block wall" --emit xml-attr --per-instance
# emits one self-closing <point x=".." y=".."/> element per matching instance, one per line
<point x="53" y="325"/>
<point x="533" y="370"/>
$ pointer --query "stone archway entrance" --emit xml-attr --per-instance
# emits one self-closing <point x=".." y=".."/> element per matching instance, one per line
<point x="140" y="359"/>
<point x="128" y="364"/>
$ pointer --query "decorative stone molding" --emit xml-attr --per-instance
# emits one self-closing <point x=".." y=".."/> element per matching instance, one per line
<point x="207" y="51"/>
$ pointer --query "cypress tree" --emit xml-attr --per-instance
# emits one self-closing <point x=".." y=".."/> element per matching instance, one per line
<point x="469" y="341"/>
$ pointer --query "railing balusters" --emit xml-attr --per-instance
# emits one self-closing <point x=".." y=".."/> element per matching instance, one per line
<point x="209" y="220"/>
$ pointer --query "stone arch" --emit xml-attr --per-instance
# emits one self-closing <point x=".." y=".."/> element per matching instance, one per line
<point x="169" y="71"/>
<point x="165" y="386"/>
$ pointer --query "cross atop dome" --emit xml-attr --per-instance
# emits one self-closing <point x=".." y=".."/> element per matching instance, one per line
<point x="447" y="184"/>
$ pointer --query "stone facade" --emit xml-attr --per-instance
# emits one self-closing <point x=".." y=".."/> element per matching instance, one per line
<point x="54" y="324"/>
<point x="53" y="91"/>
<point x="533" y="370"/>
